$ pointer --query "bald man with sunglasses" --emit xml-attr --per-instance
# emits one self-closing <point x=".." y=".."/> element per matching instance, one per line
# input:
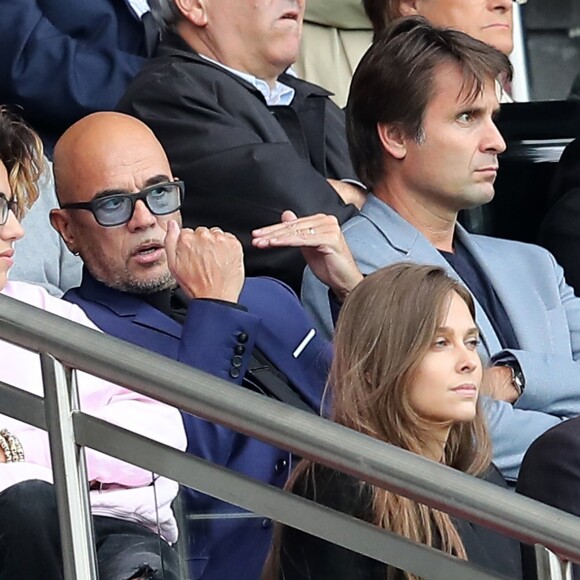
<point x="182" y="293"/>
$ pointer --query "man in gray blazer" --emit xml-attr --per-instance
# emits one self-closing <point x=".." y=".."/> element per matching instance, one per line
<point x="423" y="140"/>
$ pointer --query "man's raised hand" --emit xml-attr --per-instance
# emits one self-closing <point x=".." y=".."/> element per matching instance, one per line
<point x="206" y="263"/>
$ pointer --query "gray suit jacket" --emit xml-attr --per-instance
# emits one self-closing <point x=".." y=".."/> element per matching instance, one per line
<point x="542" y="308"/>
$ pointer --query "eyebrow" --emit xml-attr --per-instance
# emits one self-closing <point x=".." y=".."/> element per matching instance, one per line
<point x="159" y="178"/>
<point x="471" y="331"/>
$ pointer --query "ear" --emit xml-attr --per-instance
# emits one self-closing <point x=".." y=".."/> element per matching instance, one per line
<point x="194" y="11"/>
<point x="393" y="140"/>
<point x="60" y="221"/>
<point x="409" y="7"/>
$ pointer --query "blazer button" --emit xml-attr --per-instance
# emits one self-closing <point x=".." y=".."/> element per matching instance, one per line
<point x="240" y="349"/>
<point x="266" y="523"/>
<point x="237" y="361"/>
<point x="281" y="465"/>
<point x="242" y="338"/>
<point x="234" y="373"/>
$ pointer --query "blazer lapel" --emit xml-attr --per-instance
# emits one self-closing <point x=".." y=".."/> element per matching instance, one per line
<point x="414" y="247"/>
<point x="525" y="318"/>
<point x="126" y="305"/>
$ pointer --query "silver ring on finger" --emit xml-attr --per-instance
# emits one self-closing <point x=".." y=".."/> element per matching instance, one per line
<point x="311" y="231"/>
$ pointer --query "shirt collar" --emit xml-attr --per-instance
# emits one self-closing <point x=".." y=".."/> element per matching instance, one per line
<point x="281" y="94"/>
<point x="139" y="7"/>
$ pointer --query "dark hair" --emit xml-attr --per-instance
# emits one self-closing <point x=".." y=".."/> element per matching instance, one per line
<point x="21" y="152"/>
<point x="381" y="12"/>
<point x="165" y="13"/>
<point x="395" y="81"/>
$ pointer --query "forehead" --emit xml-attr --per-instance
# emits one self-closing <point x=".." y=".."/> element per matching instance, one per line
<point x="124" y="165"/>
<point x="457" y="312"/>
<point x="452" y="91"/>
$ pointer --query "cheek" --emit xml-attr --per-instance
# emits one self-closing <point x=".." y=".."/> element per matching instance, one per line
<point x="425" y="392"/>
<point x="105" y="242"/>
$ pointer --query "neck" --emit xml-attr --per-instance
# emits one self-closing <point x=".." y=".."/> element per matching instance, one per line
<point x="435" y="448"/>
<point x="203" y="45"/>
<point x="436" y="223"/>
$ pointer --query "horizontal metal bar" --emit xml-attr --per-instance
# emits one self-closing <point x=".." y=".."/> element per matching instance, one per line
<point x="25" y="407"/>
<point x="271" y="502"/>
<point x="290" y="428"/>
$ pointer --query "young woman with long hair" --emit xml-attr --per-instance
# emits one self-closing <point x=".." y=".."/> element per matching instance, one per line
<point x="406" y="371"/>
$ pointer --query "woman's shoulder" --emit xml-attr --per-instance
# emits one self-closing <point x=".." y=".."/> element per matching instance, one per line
<point x="336" y="490"/>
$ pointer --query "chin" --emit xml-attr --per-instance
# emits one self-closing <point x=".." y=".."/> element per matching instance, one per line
<point x="465" y="415"/>
<point x="504" y="43"/>
<point x="476" y="198"/>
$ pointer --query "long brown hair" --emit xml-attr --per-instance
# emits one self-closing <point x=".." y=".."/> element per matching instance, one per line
<point x="21" y="152"/>
<point x="386" y="327"/>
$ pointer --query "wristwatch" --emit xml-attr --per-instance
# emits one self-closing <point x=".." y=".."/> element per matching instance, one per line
<point x="518" y="380"/>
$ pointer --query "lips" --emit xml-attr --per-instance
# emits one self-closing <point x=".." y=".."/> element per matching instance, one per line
<point x="498" y="25"/>
<point x="6" y="258"/>
<point x="148" y="252"/>
<point x="290" y="15"/>
<point x="467" y="390"/>
<point x="147" y="247"/>
<point x="491" y="170"/>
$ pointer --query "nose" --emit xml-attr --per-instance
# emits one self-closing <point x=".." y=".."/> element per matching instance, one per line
<point x="11" y="230"/>
<point x="501" y="5"/>
<point x="492" y="141"/>
<point x="468" y="360"/>
<point x="142" y="218"/>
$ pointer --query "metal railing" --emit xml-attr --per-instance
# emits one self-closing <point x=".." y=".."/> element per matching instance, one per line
<point x="73" y="346"/>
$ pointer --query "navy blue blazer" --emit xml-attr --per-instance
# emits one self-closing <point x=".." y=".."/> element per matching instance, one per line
<point x="211" y="339"/>
<point x="64" y="59"/>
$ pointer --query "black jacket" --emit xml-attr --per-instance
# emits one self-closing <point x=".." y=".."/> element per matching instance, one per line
<point x="550" y="473"/>
<point x="305" y="557"/>
<point x="241" y="168"/>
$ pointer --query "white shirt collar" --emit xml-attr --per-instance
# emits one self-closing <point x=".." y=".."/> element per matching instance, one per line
<point x="139" y="7"/>
<point x="281" y="94"/>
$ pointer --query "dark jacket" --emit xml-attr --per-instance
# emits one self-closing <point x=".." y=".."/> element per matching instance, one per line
<point x="64" y="59"/>
<point x="240" y="167"/>
<point x="219" y="339"/>
<point x="305" y="557"/>
<point x="550" y="473"/>
<point x="560" y="229"/>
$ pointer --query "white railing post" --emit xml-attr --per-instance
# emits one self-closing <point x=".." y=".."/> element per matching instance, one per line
<point x="69" y="471"/>
<point x="550" y="567"/>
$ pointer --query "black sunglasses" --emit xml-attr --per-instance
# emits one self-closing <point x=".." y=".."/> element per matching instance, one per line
<point x="117" y="209"/>
<point x="7" y="206"/>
